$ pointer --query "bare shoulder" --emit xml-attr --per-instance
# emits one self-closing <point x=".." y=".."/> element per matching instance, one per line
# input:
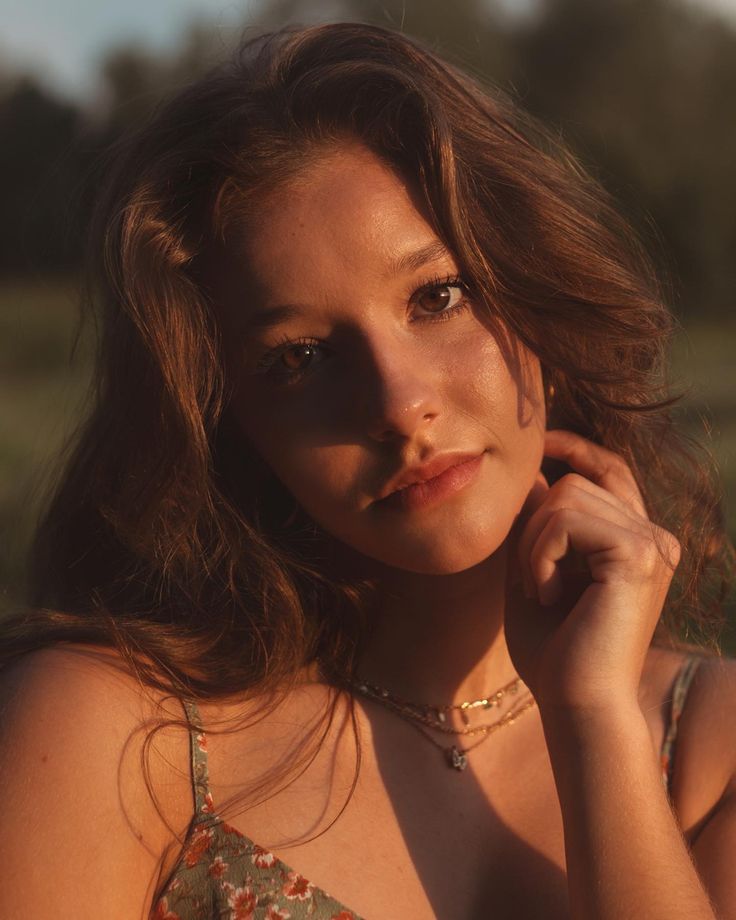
<point x="81" y="829"/>
<point x="705" y="756"/>
<point x="75" y="691"/>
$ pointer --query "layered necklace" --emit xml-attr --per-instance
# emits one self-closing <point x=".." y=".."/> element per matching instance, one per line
<point x="431" y="717"/>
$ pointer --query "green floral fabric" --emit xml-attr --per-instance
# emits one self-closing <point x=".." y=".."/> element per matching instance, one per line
<point x="222" y="874"/>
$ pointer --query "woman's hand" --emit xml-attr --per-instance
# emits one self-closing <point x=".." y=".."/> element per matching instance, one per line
<point x="588" y="574"/>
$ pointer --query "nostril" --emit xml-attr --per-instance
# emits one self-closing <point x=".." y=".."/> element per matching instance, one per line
<point x="402" y="427"/>
<point x="390" y="434"/>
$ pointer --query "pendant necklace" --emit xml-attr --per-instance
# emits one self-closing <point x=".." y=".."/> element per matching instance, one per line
<point x="426" y="717"/>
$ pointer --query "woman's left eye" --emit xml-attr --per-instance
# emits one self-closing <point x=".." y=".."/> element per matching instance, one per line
<point x="441" y="298"/>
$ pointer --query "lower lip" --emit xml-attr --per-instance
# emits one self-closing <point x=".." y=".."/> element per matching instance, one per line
<point x="434" y="490"/>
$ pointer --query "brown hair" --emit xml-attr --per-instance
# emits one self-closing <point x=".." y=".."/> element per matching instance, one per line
<point x="155" y="541"/>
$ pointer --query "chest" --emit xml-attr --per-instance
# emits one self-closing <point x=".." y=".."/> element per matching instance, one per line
<point x="474" y="855"/>
<point x="416" y="839"/>
<point x="387" y="828"/>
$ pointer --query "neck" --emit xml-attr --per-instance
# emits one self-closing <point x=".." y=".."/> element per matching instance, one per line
<point x="440" y="638"/>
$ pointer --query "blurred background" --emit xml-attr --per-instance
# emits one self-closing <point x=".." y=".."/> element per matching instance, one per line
<point x="643" y="90"/>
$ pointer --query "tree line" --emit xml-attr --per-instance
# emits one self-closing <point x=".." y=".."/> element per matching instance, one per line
<point x="643" y="91"/>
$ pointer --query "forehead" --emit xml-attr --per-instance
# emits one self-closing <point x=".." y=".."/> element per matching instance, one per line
<point x="346" y="217"/>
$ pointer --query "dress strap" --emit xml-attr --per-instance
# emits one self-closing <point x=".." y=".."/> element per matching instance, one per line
<point x="679" y="696"/>
<point x="200" y="771"/>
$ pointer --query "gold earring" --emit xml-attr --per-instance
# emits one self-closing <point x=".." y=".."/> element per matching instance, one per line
<point x="549" y="397"/>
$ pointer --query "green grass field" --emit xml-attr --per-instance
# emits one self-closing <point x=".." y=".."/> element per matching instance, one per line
<point x="42" y="389"/>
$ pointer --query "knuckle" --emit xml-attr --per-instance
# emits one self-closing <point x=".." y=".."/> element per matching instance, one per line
<point x="562" y="520"/>
<point x="649" y="559"/>
<point x="570" y="484"/>
<point x="619" y="468"/>
<point x="537" y="557"/>
<point x="616" y="461"/>
<point x="564" y="515"/>
<point x="643" y="548"/>
<point x="669" y="547"/>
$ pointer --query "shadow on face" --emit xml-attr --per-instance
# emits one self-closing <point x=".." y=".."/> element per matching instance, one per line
<point x="359" y="360"/>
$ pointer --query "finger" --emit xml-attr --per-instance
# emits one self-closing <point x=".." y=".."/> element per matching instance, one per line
<point x="575" y="482"/>
<point x="580" y="501"/>
<point x="536" y="496"/>
<point x="604" y="467"/>
<point x="516" y="573"/>
<point x="604" y="545"/>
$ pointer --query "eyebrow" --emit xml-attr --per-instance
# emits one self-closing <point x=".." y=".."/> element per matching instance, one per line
<point x="411" y="261"/>
<point x="268" y="317"/>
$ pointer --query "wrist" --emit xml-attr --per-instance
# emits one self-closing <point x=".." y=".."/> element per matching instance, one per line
<point x="602" y="749"/>
<point x="611" y="720"/>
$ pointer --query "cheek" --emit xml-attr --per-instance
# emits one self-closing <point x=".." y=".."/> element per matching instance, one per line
<point x="319" y="473"/>
<point x="500" y="389"/>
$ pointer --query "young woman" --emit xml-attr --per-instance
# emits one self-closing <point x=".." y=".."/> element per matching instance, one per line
<point x="366" y="572"/>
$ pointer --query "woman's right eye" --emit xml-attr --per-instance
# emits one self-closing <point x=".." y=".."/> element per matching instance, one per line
<point x="291" y="360"/>
<point x="298" y="358"/>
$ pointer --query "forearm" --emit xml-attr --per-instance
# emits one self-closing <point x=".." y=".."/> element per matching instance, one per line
<point x="626" y="857"/>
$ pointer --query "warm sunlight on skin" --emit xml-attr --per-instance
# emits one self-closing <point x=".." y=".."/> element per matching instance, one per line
<point x="380" y="365"/>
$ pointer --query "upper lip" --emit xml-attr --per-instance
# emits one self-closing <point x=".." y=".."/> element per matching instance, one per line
<point x="433" y="468"/>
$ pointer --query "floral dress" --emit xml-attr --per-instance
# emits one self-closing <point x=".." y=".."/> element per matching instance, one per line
<point x="222" y="875"/>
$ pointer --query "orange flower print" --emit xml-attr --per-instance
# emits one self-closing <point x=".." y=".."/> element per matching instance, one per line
<point x="209" y="805"/>
<point x="218" y="867"/>
<point x="199" y="844"/>
<point x="297" y="887"/>
<point x="202" y="743"/>
<point x="276" y="913"/>
<point x="343" y="915"/>
<point x="162" y="912"/>
<point x="262" y="858"/>
<point x="242" y="903"/>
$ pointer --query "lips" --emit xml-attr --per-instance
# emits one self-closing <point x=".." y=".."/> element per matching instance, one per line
<point x="442" y="475"/>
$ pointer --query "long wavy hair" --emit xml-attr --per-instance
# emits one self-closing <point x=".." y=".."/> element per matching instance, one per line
<point x="166" y="537"/>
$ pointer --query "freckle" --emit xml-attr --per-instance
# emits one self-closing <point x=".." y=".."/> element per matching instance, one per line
<point x="44" y="758"/>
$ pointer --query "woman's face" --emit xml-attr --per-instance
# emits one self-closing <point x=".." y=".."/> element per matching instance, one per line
<point x="361" y="364"/>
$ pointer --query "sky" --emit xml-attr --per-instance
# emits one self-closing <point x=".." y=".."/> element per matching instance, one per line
<point x="63" y="40"/>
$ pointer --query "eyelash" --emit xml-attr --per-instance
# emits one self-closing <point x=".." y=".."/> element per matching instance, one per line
<point x="266" y="364"/>
<point x="441" y="282"/>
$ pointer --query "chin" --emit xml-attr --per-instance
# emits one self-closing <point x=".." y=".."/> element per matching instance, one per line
<point x="440" y="563"/>
<point x="448" y="554"/>
<point x="442" y="567"/>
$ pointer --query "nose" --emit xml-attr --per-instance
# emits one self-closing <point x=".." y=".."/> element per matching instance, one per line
<point x="398" y="396"/>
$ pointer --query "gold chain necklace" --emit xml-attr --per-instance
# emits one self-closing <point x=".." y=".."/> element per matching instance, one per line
<point x="456" y="757"/>
<point x="431" y="714"/>
<point x="414" y="713"/>
<point x="420" y="718"/>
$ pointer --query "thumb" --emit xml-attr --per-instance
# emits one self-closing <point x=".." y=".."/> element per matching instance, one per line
<point x="534" y="499"/>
